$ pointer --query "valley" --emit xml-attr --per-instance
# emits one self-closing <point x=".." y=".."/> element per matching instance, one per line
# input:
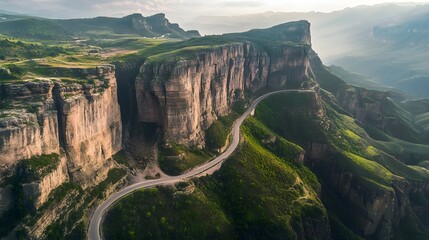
<point x="133" y="128"/>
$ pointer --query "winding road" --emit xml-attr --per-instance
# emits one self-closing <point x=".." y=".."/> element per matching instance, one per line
<point x="97" y="217"/>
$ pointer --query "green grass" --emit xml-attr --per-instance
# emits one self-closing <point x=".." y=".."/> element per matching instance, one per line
<point x="292" y="117"/>
<point x="367" y="168"/>
<point x="20" y="49"/>
<point x="38" y="167"/>
<point x="177" y="159"/>
<point x="268" y="39"/>
<point x="166" y="215"/>
<point x="407" y="152"/>
<point x="41" y="29"/>
<point x="258" y="193"/>
<point x="424" y="164"/>
<point x="399" y="122"/>
<point x="217" y="134"/>
<point x="130" y="43"/>
<point x="113" y="176"/>
<point x="300" y="126"/>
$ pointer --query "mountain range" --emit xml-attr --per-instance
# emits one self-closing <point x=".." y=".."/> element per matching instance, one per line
<point x="385" y="42"/>
<point x="50" y="29"/>
<point x="91" y="106"/>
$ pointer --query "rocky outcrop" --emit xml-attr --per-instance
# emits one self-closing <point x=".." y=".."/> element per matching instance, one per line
<point x="365" y="105"/>
<point x="375" y="212"/>
<point x="39" y="191"/>
<point x="90" y="125"/>
<point x="185" y="97"/>
<point x="82" y="117"/>
<point x="29" y="125"/>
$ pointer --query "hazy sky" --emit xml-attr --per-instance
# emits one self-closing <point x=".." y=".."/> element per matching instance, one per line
<point x="176" y="10"/>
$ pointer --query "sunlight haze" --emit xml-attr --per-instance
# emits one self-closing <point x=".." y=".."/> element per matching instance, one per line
<point x="176" y="10"/>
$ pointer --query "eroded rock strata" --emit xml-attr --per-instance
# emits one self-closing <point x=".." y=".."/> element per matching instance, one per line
<point x="79" y="120"/>
<point x="186" y="96"/>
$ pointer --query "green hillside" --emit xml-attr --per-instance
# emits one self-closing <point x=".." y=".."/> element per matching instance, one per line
<point x="41" y="29"/>
<point x="53" y="29"/>
<point x="234" y="203"/>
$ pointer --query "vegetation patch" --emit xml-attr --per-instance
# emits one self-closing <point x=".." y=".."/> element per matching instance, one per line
<point x="166" y="215"/>
<point x="217" y="134"/>
<point x="113" y="176"/>
<point x="19" y="49"/>
<point x="121" y="158"/>
<point x="176" y="159"/>
<point x="37" y="167"/>
<point x="258" y="193"/>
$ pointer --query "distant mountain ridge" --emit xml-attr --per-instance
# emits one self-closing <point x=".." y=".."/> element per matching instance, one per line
<point x="386" y="42"/>
<point x="51" y="29"/>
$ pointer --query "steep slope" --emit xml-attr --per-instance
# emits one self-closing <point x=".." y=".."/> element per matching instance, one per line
<point x="55" y="134"/>
<point x="236" y="202"/>
<point x="359" y="175"/>
<point x="185" y="87"/>
<point x="362" y="145"/>
<point x="360" y="181"/>
<point x="387" y="42"/>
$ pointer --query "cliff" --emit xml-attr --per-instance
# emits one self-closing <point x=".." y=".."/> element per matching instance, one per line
<point x="40" y="189"/>
<point x="90" y="125"/>
<point x="186" y="95"/>
<point x="28" y="122"/>
<point x="53" y="131"/>
<point x="374" y="211"/>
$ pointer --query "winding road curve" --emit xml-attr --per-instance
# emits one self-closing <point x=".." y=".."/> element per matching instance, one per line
<point x="97" y="217"/>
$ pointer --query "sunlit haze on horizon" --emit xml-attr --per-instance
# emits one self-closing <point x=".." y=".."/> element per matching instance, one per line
<point x="176" y="10"/>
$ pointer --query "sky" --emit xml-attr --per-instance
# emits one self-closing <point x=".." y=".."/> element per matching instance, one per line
<point x="176" y="10"/>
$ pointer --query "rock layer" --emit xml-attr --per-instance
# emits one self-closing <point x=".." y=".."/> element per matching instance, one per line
<point x="81" y="117"/>
<point x="40" y="190"/>
<point x="187" y="96"/>
<point x="32" y="130"/>
<point x="90" y="122"/>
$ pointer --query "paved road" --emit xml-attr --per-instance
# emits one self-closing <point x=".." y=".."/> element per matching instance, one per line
<point x="97" y="217"/>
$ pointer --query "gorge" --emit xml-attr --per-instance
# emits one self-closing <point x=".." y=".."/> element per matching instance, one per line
<point x="64" y="139"/>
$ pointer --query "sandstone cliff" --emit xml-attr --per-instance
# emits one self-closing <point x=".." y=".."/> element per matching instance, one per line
<point x="78" y="118"/>
<point x="185" y="96"/>
<point x="39" y="190"/>
<point x="90" y="125"/>
<point x="29" y="124"/>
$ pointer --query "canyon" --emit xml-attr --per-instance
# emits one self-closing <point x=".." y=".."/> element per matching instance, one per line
<point x="57" y="131"/>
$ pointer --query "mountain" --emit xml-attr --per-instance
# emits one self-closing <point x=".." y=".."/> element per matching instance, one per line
<point x="49" y="29"/>
<point x="401" y="58"/>
<point x="365" y="147"/>
<point x="386" y="42"/>
<point x="335" y="161"/>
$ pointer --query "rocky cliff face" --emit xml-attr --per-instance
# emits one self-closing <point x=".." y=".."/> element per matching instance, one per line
<point x="40" y="190"/>
<point x="364" y="105"/>
<point x="374" y="212"/>
<point x="29" y="125"/>
<point x="82" y="118"/>
<point x="186" y="96"/>
<point x="155" y="26"/>
<point x="90" y="125"/>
